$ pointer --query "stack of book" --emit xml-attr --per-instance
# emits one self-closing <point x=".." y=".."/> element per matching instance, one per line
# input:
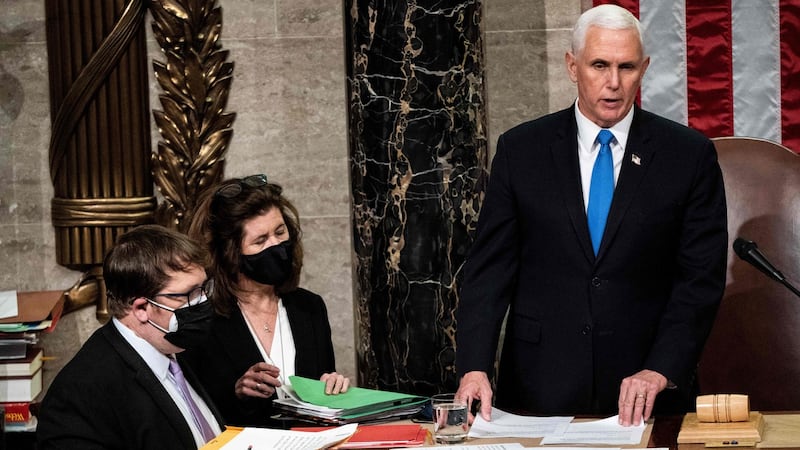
<point x="23" y="316"/>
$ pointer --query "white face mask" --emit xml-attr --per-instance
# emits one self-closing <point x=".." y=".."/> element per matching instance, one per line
<point x="173" y="324"/>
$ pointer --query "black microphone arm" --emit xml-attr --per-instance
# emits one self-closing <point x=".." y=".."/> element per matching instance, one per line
<point x="748" y="251"/>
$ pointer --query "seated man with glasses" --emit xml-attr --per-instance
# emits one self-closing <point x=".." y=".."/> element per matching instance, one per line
<point x="124" y="388"/>
<point x="266" y="328"/>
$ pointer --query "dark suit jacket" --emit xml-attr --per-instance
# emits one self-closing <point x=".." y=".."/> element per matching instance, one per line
<point x="578" y="324"/>
<point x="107" y="397"/>
<point x="231" y="350"/>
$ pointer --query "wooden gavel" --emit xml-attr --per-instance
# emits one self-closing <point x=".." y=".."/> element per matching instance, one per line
<point x="723" y="408"/>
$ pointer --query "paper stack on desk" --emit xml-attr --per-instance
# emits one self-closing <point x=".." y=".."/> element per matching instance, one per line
<point x="251" y="438"/>
<point x="558" y="430"/>
<point x="307" y="400"/>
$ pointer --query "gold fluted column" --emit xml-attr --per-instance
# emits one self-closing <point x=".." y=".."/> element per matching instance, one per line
<point x="100" y="143"/>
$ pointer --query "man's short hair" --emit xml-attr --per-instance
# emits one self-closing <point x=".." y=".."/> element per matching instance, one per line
<point x="138" y="263"/>
<point x="605" y="16"/>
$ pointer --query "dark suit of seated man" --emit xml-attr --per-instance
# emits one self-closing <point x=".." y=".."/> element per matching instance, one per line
<point x="121" y="389"/>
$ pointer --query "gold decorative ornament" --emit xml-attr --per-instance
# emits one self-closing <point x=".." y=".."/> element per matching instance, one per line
<point x="101" y="162"/>
<point x="195" y="80"/>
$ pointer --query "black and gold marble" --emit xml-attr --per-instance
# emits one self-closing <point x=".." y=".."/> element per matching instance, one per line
<point x="418" y="159"/>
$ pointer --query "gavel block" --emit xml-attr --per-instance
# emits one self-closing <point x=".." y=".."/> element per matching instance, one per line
<point x="722" y="420"/>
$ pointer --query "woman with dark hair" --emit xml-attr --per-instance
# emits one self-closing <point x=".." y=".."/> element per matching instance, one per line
<point x="266" y="327"/>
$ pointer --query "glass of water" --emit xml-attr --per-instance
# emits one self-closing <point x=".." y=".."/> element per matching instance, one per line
<point x="450" y="423"/>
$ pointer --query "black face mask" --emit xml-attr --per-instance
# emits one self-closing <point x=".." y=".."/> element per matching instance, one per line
<point x="189" y="326"/>
<point x="272" y="266"/>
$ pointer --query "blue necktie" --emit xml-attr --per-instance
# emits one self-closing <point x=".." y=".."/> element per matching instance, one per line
<point x="601" y="189"/>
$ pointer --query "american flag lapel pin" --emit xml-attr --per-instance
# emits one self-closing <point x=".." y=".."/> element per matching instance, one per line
<point x="636" y="159"/>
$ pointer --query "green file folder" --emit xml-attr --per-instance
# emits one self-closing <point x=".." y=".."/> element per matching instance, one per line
<point x="357" y="402"/>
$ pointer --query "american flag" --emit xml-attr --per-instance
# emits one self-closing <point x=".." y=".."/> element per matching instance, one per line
<point x="723" y="67"/>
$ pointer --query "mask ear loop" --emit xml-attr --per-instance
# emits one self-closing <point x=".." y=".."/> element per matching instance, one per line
<point x="164" y="307"/>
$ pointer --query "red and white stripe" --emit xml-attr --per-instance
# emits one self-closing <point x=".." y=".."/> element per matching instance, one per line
<point x="724" y="67"/>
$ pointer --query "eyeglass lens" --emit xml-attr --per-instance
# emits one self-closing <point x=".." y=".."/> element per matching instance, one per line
<point x="255" y="180"/>
<point x="192" y="297"/>
<point x="201" y="292"/>
<point x="232" y="190"/>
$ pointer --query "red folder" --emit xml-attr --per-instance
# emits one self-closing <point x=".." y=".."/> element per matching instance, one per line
<point x="380" y="436"/>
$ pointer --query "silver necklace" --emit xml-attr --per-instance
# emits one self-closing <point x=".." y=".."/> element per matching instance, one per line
<point x="266" y="325"/>
<point x="277" y="318"/>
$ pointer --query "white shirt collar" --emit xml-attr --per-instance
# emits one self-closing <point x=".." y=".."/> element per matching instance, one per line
<point x="157" y="361"/>
<point x="587" y="130"/>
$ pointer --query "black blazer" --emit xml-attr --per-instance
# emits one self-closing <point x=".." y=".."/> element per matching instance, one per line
<point x="107" y="397"/>
<point x="578" y="324"/>
<point x="231" y="350"/>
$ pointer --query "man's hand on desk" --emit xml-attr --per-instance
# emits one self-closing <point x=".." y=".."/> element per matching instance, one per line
<point x="637" y="395"/>
<point x="475" y="386"/>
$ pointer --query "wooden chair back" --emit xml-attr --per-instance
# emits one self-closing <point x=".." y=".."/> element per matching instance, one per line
<point x="754" y="346"/>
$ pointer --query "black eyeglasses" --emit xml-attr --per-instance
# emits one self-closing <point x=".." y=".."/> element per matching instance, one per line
<point x="193" y="297"/>
<point x="232" y="190"/>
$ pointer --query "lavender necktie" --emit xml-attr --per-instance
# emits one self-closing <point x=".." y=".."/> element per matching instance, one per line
<point x="601" y="189"/>
<point x="199" y="419"/>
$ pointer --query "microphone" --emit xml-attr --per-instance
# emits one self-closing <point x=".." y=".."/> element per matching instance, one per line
<point x="748" y="251"/>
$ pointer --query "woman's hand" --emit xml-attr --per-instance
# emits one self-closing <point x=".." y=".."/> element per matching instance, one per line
<point x="260" y="380"/>
<point x="335" y="383"/>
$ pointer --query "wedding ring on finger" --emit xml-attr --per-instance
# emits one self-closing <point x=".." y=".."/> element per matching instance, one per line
<point x="639" y="396"/>
<point x="258" y="386"/>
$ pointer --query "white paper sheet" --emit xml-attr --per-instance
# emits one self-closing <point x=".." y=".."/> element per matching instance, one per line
<point x="8" y="304"/>
<point x="291" y="398"/>
<point x="504" y="424"/>
<point x="266" y="438"/>
<point x="606" y="431"/>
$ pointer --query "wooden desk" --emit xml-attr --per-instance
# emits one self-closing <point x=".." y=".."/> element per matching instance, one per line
<point x="664" y="434"/>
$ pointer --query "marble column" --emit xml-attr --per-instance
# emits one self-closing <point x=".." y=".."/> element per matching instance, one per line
<point x="418" y="165"/>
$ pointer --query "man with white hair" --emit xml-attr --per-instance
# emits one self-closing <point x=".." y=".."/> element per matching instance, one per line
<point x="603" y="236"/>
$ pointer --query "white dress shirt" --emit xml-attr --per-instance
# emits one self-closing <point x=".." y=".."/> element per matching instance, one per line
<point x="282" y="354"/>
<point x="588" y="147"/>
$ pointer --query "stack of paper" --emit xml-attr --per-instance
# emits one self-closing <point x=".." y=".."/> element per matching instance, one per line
<point x="558" y="430"/>
<point x="307" y="399"/>
<point x="26" y="312"/>
<point x="234" y="438"/>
